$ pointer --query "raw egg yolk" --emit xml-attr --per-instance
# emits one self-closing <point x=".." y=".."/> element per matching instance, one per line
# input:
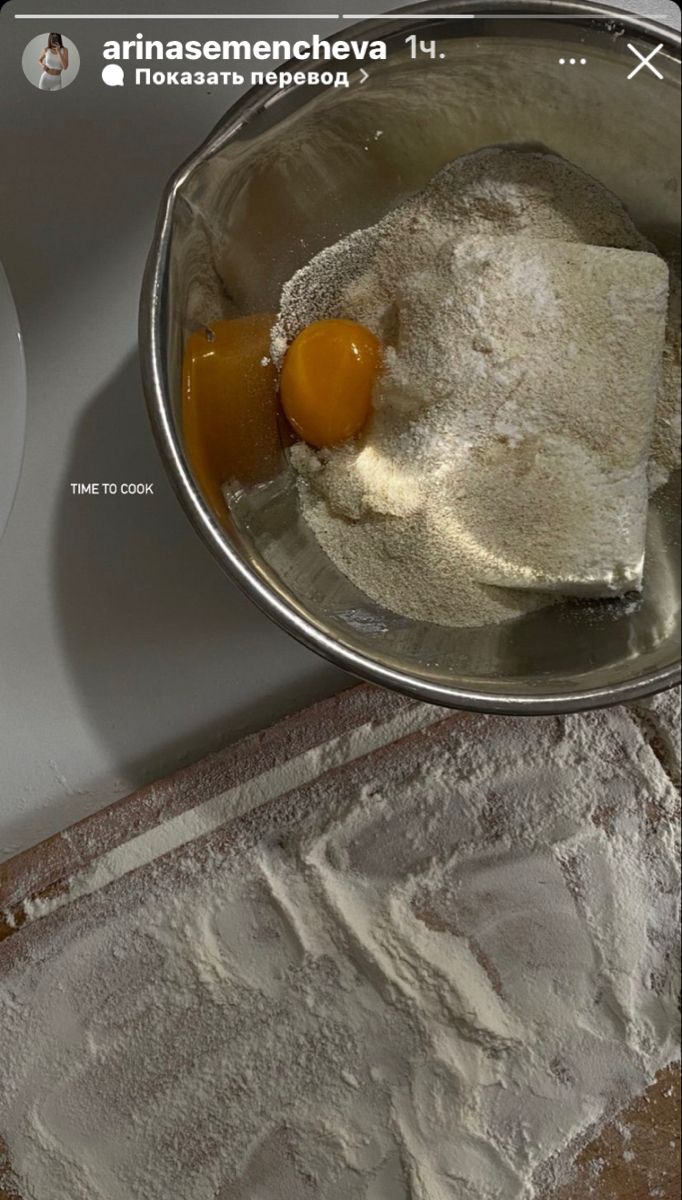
<point x="229" y="405"/>
<point x="327" y="381"/>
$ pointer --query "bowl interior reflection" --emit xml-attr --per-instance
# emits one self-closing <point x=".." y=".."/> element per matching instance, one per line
<point x="302" y="172"/>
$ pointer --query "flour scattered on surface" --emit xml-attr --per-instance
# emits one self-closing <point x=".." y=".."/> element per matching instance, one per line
<point x="424" y="983"/>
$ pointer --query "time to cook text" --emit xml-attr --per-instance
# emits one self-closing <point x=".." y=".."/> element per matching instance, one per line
<point x="112" y="489"/>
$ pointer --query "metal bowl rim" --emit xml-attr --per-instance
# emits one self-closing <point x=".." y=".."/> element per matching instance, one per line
<point x="152" y="346"/>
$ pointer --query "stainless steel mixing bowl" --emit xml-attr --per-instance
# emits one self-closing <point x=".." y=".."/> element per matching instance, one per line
<point x="286" y="173"/>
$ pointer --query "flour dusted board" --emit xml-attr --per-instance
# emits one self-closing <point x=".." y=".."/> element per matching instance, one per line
<point x="324" y="813"/>
<point x="215" y="789"/>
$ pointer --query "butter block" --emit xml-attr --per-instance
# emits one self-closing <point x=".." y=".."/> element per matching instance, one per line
<point x="553" y="352"/>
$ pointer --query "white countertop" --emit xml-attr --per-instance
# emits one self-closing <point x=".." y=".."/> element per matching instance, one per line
<point x="124" y="650"/>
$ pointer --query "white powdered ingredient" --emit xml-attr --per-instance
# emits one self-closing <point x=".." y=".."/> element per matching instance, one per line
<point x="503" y="291"/>
<point x="196" y="822"/>
<point x="422" y="985"/>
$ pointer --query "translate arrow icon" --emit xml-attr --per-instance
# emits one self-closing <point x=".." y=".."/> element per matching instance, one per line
<point x="364" y="75"/>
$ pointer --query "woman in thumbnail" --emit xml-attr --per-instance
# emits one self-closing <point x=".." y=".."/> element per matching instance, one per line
<point x="54" y="59"/>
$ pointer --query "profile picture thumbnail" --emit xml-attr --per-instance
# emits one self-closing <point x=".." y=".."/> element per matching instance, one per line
<point x="50" y="62"/>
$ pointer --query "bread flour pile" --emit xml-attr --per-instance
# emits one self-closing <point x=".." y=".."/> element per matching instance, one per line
<point x="423" y="984"/>
<point x="524" y="324"/>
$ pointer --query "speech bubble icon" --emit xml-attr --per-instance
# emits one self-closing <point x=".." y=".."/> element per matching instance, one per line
<point x="112" y="75"/>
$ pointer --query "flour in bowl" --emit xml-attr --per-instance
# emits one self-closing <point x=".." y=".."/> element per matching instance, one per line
<point x="508" y="455"/>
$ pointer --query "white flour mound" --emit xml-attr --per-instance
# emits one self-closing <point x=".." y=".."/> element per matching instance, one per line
<point x="415" y="990"/>
<point x="524" y="320"/>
